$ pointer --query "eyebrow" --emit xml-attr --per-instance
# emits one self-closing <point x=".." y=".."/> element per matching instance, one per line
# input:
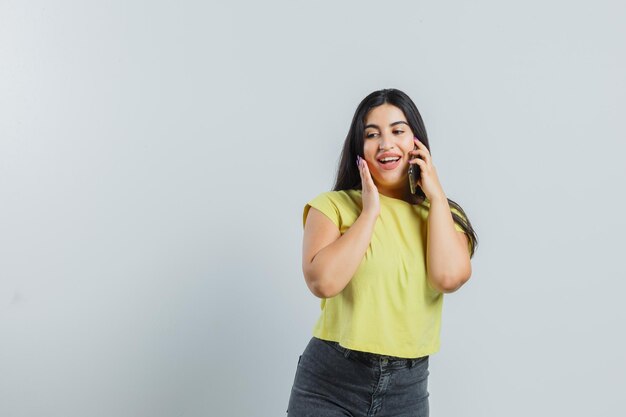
<point x="392" y="124"/>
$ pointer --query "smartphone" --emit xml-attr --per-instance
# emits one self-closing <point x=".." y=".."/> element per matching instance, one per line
<point x="414" y="174"/>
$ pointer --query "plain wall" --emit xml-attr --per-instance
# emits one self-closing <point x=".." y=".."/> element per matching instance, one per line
<point x="155" y="158"/>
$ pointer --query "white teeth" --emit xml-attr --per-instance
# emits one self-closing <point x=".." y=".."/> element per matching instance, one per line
<point x="390" y="158"/>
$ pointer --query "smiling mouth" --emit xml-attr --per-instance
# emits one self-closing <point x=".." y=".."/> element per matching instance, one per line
<point x="390" y="164"/>
<point x="385" y="161"/>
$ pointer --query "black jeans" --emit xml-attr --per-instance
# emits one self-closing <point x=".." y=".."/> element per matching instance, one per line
<point x="334" y="381"/>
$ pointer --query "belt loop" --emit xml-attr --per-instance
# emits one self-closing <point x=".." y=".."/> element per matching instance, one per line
<point x="346" y="351"/>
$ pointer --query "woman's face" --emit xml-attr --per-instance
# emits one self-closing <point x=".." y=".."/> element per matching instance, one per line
<point x="387" y="133"/>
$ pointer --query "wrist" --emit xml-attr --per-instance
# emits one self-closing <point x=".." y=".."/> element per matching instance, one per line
<point x="440" y="199"/>
<point x="370" y="215"/>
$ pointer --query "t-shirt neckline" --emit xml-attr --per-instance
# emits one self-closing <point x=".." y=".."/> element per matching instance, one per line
<point x="393" y="200"/>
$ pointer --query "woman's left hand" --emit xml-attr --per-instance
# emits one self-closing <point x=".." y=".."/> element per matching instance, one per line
<point x="428" y="182"/>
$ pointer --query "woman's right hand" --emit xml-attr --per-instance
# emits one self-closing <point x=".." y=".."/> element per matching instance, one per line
<point x="369" y="195"/>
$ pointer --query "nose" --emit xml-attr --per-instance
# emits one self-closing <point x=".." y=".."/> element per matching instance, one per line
<point x="386" y="141"/>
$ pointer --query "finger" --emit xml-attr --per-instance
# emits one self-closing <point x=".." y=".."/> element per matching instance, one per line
<point x="419" y="152"/>
<point x="418" y="161"/>
<point x="359" y="163"/>
<point x="420" y="145"/>
<point x="366" y="172"/>
<point x="369" y="181"/>
<point x="363" y="169"/>
<point x="421" y="156"/>
<point x="359" y="166"/>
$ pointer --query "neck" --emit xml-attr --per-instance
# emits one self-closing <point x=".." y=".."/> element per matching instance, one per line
<point x="402" y="192"/>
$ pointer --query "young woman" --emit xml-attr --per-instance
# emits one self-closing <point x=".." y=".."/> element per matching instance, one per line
<point x="380" y="258"/>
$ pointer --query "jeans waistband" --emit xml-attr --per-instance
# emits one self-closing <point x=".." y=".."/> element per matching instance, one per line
<point x="373" y="357"/>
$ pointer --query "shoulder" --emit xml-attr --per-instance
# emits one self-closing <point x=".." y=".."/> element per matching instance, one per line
<point x="342" y="197"/>
<point x="334" y="204"/>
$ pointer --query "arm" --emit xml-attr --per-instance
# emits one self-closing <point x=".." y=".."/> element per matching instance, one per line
<point x="329" y="259"/>
<point x="448" y="260"/>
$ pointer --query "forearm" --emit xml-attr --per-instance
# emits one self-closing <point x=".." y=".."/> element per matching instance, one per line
<point x="334" y="266"/>
<point x="447" y="258"/>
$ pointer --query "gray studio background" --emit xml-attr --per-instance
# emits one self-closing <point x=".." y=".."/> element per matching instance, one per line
<point x="155" y="158"/>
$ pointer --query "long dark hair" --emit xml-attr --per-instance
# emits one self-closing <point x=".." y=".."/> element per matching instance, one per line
<point x="348" y="177"/>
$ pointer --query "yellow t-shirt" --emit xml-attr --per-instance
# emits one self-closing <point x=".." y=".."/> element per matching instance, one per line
<point x="388" y="307"/>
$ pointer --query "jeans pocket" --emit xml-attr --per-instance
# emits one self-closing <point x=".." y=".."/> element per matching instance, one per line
<point x="335" y="345"/>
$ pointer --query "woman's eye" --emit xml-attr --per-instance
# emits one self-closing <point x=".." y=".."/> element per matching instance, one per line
<point x="369" y="135"/>
<point x="399" y="131"/>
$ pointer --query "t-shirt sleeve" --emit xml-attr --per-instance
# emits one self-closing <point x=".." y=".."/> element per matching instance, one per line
<point x="460" y="229"/>
<point x="456" y="225"/>
<point x="325" y="204"/>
